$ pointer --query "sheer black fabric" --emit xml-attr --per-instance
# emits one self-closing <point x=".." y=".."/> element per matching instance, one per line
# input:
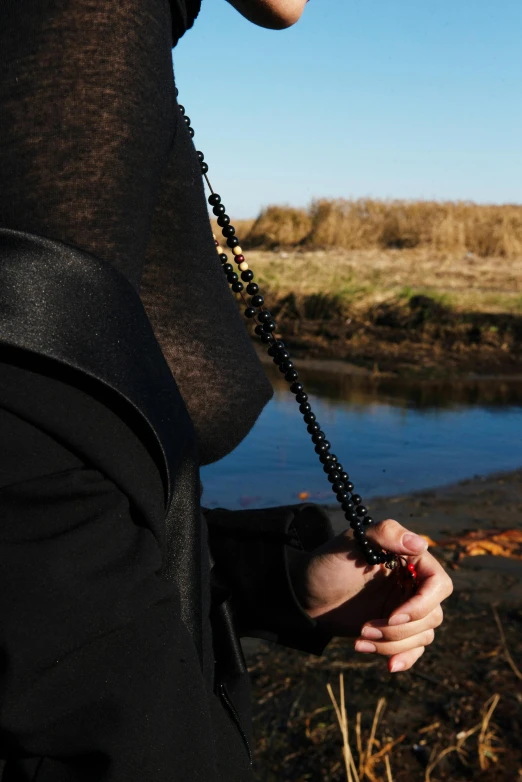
<point x="92" y="153"/>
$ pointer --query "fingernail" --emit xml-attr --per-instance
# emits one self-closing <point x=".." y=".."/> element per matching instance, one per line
<point x="398" y="619"/>
<point x="371" y="632"/>
<point x="398" y="665"/>
<point x="414" y="543"/>
<point x="364" y="646"/>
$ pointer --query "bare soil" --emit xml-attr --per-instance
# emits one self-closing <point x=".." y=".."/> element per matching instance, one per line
<point x="431" y="707"/>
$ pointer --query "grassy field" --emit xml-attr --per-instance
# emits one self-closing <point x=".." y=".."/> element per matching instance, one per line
<point x="438" y="282"/>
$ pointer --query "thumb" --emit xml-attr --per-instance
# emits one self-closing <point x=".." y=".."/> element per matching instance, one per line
<point x="392" y="536"/>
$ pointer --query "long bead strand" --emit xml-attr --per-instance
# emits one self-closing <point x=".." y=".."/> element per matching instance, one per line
<point x="351" y="503"/>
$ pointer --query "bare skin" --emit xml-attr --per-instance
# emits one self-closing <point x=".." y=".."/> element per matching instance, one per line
<point x="350" y="598"/>
<point x="273" y="14"/>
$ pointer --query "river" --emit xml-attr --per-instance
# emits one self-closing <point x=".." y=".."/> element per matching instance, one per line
<point x="391" y="436"/>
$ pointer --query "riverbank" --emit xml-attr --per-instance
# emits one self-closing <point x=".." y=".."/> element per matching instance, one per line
<point x="437" y="713"/>
<point x="408" y="312"/>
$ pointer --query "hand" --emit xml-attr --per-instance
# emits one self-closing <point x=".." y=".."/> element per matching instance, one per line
<point x="350" y="598"/>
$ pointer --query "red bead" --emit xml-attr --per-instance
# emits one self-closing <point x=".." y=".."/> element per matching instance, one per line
<point x="239" y="258"/>
<point x="411" y="568"/>
<point x="216" y="242"/>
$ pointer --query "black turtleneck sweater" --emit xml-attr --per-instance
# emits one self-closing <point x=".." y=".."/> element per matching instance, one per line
<point x="93" y="152"/>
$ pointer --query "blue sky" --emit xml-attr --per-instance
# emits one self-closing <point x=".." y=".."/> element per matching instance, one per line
<point x="381" y="98"/>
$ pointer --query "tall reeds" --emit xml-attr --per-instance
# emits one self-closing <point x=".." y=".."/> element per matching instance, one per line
<point x="453" y="227"/>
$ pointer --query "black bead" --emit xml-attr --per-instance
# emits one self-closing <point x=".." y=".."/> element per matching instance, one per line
<point x="333" y="477"/>
<point x="269" y="325"/>
<point x="349" y="486"/>
<point x="302" y="397"/>
<point x="204" y="168"/>
<point x="223" y="257"/>
<point x="347" y="504"/>
<point x="228" y="268"/>
<point x="286" y="365"/>
<point x="344" y="476"/>
<point x="252" y="288"/>
<point x="232" y="277"/>
<point x="228" y="230"/>
<point x="313" y="428"/>
<point x="232" y="241"/>
<point x="337" y="487"/>
<point x="327" y="457"/>
<point x="257" y="301"/>
<point x="201" y="156"/>
<point x="361" y="510"/>
<point x="223" y="220"/>
<point x="181" y="108"/>
<point x="259" y="329"/>
<point x="250" y="312"/>
<point x="219" y="209"/>
<point x="320" y="448"/>
<point x="282" y="355"/>
<point x="295" y="388"/>
<point x="335" y="459"/>
<point x="305" y="407"/>
<point x="291" y="375"/>
<point x="368" y="520"/>
<point x="186" y="119"/>
<point x="342" y="496"/>
<point x="350" y="515"/>
<point x="264" y="316"/>
<point x="373" y="558"/>
<point x="356" y="499"/>
<point x="309" y="418"/>
<point x="272" y="350"/>
<point x="237" y="287"/>
<point x="317" y="437"/>
<point x="191" y="132"/>
<point x="247" y="275"/>
<point x="359" y="535"/>
<point x="328" y="445"/>
<point x="267" y="338"/>
<point x="214" y="199"/>
<point x="332" y="467"/>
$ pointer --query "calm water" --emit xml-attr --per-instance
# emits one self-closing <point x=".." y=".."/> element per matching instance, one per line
<point x="392" y="437"/>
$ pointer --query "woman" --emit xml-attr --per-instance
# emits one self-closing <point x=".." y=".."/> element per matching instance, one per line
<point x="120" y="605"/>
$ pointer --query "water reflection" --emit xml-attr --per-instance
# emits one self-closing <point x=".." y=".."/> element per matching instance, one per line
<point x="360" y="390"/>
<point x="392" y="437"/>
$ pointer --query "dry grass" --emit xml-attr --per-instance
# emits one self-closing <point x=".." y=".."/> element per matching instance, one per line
<point x="374" y="753"/>
<point x="363" y="278"/>
<point x="467" y="256"/>
<point x="447" y="227"/>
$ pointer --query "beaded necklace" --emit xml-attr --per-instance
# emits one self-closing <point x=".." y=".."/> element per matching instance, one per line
<point x="351" y="503"/>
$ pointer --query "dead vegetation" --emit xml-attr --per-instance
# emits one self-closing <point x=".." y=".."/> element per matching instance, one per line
<point x="447" y="227"/>
<point x="456" y="716"/>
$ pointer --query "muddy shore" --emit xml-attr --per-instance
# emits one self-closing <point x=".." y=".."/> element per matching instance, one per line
<point x="431" y="708"/>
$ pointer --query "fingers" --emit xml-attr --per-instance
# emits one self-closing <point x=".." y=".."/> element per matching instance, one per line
<point x="380" y="631"/>
<point x="404" y="643"/>
<point x="392" y="536"/>
<point x="404" y="661"/>
<point x="434" y="586"/>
